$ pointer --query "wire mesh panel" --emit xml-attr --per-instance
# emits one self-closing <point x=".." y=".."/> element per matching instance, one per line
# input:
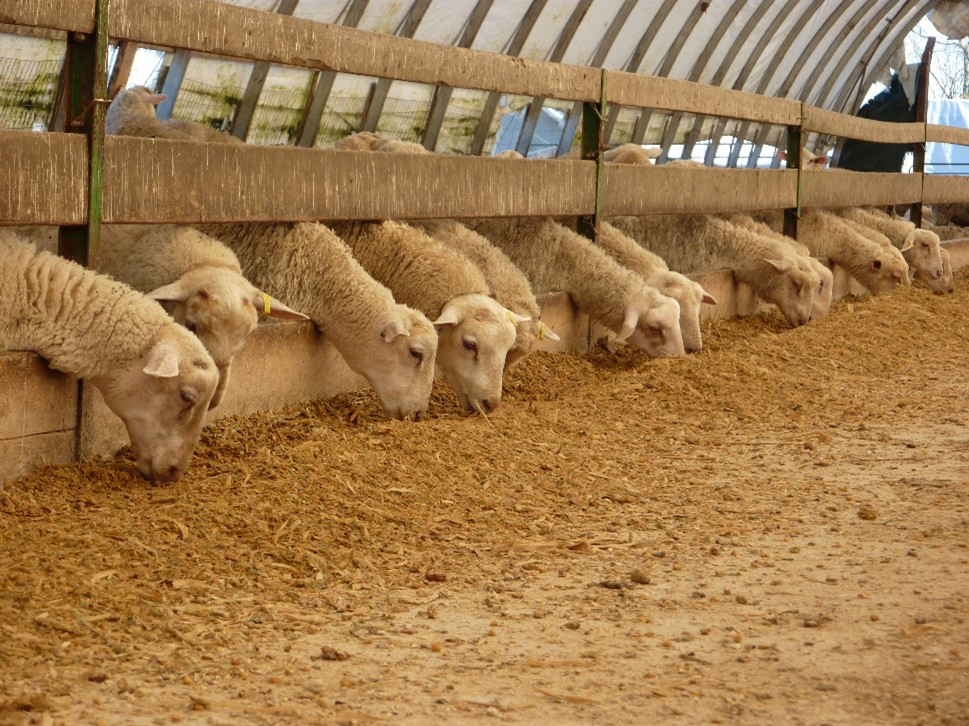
<point x="27" y="91"/>
<point x="213" y="106"/>
<point x="277" y="118"/>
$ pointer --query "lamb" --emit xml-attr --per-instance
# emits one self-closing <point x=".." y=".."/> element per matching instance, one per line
<point x="132" y="113"/>
<point x="391" y="345"/>
<point x="153" y="373"/>
<point x="920" y="247"/>
<point x="824" y="294"/>
<point x="475" y="331"/>
<point x="631" y="154"/>
<point x="654" y="270"/>
<point x="508" y="284"/>
<point x="880" y="269"/>
<point x="554" y="257"/>
<point x="699" y="242"/>
<point x="198" y="279"/>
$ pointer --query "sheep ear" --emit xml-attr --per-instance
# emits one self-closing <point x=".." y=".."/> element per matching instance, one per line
<point x="909" y="242"/>
<point x="162" y="361"/>
<point x="268" y="305"/>
<point x="783" y="155"/>
<point x="819" y="160"/>
<point x="708" y="299"/>
<point x="448" y="317"/>
<point x="654" y="152"/>
<point x="175" y="292"/>
<point x="516" y="318"/>
<point x="779" y="265"/>
<point x="155" y="98"/>
<point x="546" y="332"/>
<point x="629" y="324"/>
<point x="393" y="330"/>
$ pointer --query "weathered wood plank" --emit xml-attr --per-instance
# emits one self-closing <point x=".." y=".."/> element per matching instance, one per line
<point x="630" y="189"/>
<point x="838" y="124"/>
<point x="46" y="178"/>
<point x="74" y="15"/>
<point x="834" y="188"/>
<point x="211" y="27"/>
<point x="636" y="89"/>
<point x="946" y="135"/>
<point x="945" y="189"/>
<point x="154" y="180"/>
<point x="33" y="398"/>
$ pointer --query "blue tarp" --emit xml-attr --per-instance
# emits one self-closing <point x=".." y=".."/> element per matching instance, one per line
<point x="948" y="158"/>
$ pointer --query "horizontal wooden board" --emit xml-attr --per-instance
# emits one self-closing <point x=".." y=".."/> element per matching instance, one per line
<point x="155" y="180"/>
<point x="946" y="134"/>
<point x="852" y="127"/>
<point x="630" y="189"/>
<point x="76" y="15"/>
<point x="834" y="188"/>
<point x="33" y="398"/>
<point x="945" y="189"/>
<point x="634" y="89"/>
<point x="212" y="27"/>
<point x="46" y="178"/>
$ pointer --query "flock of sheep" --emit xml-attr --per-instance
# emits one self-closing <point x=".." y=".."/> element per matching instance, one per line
<point x="401" y="299"/>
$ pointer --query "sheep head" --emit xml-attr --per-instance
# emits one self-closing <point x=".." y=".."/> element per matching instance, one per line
<point x="793" y="287"/>
<point x="651" y="322"/>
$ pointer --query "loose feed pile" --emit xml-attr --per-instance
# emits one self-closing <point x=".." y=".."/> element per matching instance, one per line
<point x="293" y="520"/>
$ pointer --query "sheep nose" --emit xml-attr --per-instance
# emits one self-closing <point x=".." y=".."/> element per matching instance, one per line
<point x="488" y="405"/>
<point x="417" y="415"/>
<point x="169" y="475"/>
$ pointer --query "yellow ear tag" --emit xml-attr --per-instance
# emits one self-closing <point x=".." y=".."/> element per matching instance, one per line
<point x="541" y="331"/>
<point x="511" y="317"/>
<point x="265" y="304"/>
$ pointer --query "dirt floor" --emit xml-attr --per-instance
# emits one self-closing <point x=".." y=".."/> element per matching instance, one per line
<point x="773" y="531"/>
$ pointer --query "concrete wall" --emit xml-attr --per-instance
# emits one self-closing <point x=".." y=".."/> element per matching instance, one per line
<point x="283" y="363"/>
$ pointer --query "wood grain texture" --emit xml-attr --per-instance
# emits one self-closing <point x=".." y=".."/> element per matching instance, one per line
<point x="76" y="15"/>
<point x="33" y="398"/>
<point x="946" y="134"/>
<point x="945" y="189"/>
<point x="211" y="27"/>
<point x="834" y="188"/>
<point x="634" y="190"/>
<point x="154" y="180"/>
<point x="47" y="178"/>
<point x="653" y="92"/>
<point x="853" y="127"/>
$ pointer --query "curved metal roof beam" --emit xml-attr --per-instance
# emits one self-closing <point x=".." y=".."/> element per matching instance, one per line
<point x="768" y="75"/>
<point x="697" y="72"/>
<point x="741" y="79"/>
<point x="785" y="88"/>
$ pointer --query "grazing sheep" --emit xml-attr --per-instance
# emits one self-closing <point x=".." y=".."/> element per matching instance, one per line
<point x="947" y="281"/>
<point x="554" y="257"/>
<point x="824" y="294"/>
<point x="920" y="247"/>
<point x="198" y="279"/>
<point x="391" y="345"/>
<point x="132" y="113"/>
<point x="631" y="154"/>
<point x="701" y="242"/>
<point x="653" y="269"/>
<point x="475" y="331"/>
<point x="153" y="373"/>
<point x="880" y="269"/>
<point x="508" y="284"/>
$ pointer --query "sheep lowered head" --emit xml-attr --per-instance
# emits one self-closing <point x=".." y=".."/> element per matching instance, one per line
<point x="924" y="257"/>
<point x="946" y="282"/>
<point x="529" y="333"/>
<point x="222" y="308"/>
<point x="652" y="323"/>
<point x="690" y="295"/>
<point x="475" y="334"/>
<point x="887" y="270"/>
<point x="824" y="293"/>
<point x="398" y="362"/>
<point x="162" y="398"/>
<point x="793" y="289"/>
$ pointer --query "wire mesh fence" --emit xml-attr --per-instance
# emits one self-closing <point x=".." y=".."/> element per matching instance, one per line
<point x="213" y="106"/>
<point x="27" y="92"/>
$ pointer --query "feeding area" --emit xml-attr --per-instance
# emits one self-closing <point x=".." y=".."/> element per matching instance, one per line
<point x="571" y="361"/>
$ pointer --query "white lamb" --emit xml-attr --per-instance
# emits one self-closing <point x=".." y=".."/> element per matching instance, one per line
<point x="701" y="242"/>
<point x="824" y="294"/>
<point x="653" y="269"/>
<point x="920" y="247"/>
<point x="475" y="331"/>
<point x="199" y="281"/>
<point x="153" y="373"/>
<point x="554" y="257"/>
<point x="389" y="344"/>
<point x="132" y="113"/>
<point x="631" y="154"/>
<point x="508" y="284"/>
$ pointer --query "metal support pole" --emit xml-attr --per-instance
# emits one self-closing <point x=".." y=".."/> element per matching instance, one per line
<point x="593" y="126"/>
<point x="85" y="104"/>
<point x="921" y="111"/>
<point x="791" y="216"/>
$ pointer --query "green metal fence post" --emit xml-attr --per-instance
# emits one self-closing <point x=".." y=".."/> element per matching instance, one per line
<point x="792" y="215"/>
<point x="593" y="123"/>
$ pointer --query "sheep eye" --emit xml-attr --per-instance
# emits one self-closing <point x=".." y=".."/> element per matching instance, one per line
<point x="471" y="345"/>
<point x="417" y="354"/>
<point x="797" y="287"/>
<point x="187" y="398"/>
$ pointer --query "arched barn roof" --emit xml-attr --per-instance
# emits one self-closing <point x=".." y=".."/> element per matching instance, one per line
<point x="824" y="52"/>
